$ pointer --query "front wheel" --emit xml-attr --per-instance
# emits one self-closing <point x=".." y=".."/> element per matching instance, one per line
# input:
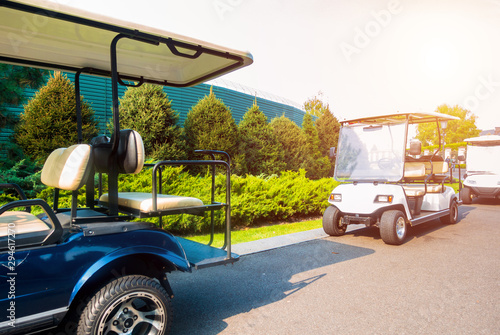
<point x="393" y="227"/>
<point x="333" y="223"/>
<point x="128" y="305"/>
<point x="451" y="218"/>
<point x="466" y="196"/>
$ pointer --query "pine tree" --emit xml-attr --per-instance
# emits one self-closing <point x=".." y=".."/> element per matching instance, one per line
<point x="258" y="145"/>
<point x="13" y="81"/>
<point x="210" y="125"/>
<point x="49" y="119"/>
<point x="316" y="165"/>
<point x="328" y="132"/>
<point x="290" y="138"/>
<point x="148" y="110"/>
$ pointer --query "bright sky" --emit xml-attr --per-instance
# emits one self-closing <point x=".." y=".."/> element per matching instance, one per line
<point x="365" y="56"/>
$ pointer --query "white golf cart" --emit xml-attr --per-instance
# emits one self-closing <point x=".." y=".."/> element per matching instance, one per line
<point x="383" y="184"/>
<point x="483" y="173"/>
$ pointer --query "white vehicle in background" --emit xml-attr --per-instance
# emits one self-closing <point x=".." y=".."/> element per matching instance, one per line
<point x="382" y="184"/>
<point x="482" y="178"/>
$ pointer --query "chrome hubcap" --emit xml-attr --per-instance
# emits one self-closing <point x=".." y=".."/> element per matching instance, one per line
<point x="400" y="227"/>
<point x="134" y="313"/>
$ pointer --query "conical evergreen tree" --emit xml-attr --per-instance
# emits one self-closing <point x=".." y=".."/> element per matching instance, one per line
<point x="290" y="138"/>
<point x="210" y="125"/>
<point x="49" y="119"/>
<point x="314" y="163"/>
<point x="148" y="110"/>
<point x="258" y="145"/>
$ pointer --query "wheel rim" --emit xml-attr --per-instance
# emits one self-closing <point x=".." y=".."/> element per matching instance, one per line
<point x="340" y="223"/>
<point x="400" y="227"/>
<point x="134" y="313"/>
<point x="454" y="210"/>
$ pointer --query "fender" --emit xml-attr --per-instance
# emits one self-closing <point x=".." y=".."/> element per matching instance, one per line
<point x="181" y="263"/>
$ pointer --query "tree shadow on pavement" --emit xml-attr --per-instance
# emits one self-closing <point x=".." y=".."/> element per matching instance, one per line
<point x="205" y="298"/>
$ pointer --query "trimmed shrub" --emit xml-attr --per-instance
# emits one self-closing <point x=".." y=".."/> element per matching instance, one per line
<point x="290" y="138"/>
<point x="49" y="119"/>
<point x="210" y="125"/>
<point x="258" y="145"/>
<point x="316" y="165"/>
<point x="148" y="110"/>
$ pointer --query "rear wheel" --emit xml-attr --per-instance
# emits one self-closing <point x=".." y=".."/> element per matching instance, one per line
<point x="333" y="223"/>
<point x="466" y="195"/>
<point x="393" y="227"/>
<point x="453" y="216"/>
<point x="128" y="305"/>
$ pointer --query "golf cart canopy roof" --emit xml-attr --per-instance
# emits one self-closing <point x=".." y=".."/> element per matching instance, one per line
<point x="484" y="140"/>
<point x="418" y="117"/>
<point x="53" y="36"/>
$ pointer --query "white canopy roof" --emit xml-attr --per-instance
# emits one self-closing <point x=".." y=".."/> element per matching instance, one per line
<point x="417" y="117"/>
<point x="50" y="35"/>
<point x="484" y="140"/>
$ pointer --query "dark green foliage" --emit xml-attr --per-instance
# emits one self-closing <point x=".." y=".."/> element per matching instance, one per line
<point x="328" y="132"/>
<point x="210" y="125"/>
<point x="290" y="138"/>
<point x="259" y="148"/>
<point x="13" y="81"/>
<point x="20" y="170"/>
<point x="316" y="165"/>
<point x="254" y="199"/>
<point x="49" y="120"/>
<point x="147" y="110"/>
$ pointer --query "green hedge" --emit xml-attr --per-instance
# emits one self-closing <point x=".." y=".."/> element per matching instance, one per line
<point x="254" y="199"/>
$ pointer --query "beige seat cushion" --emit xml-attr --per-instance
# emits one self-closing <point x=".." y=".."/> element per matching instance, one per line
<point x="437" y="167"/>
<point x="414" y="170"/>
<point x="21" y="222"/>
<point x="419" y="190"/>
<point x="144" y="201"/>
<point x="414" y="190"/>
<point x="66" y="168"/>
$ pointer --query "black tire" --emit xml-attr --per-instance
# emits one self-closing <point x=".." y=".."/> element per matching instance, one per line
<point x="451" y="218"/>
<point x="332" y="222"/>
<point x="393" y="227"/>
<point x="466" y="196"/>
<point x="137" y="303"/>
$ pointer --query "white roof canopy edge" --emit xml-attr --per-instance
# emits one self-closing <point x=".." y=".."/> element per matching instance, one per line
<point x="51" y="35"/>
<point x="415" y="117"/>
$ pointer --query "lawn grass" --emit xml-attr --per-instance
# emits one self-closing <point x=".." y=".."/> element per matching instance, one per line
<point x="252" y="234"/>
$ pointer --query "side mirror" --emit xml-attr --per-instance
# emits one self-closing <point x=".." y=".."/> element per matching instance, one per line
<point x="415" y="148"/>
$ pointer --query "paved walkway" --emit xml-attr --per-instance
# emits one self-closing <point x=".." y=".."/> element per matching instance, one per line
<point x="253" y="247"/>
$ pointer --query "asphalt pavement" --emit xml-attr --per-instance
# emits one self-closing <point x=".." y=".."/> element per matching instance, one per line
<point x="443" y="280"/>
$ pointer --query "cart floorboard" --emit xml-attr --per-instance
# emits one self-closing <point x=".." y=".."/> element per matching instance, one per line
<point x="203" y="256"/>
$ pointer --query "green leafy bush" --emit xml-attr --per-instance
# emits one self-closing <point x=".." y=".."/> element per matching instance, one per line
<point x="254" y="199"/>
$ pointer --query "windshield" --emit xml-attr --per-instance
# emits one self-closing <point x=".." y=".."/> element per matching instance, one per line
<point x="371" y="153"/>
<point x="479" y="159"/>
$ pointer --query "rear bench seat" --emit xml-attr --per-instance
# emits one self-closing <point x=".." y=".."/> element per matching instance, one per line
<point x="131" y="161"/>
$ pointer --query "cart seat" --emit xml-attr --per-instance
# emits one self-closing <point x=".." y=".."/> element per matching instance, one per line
<point x="20" y="223"/>
<point x="144" y="201"/>
<point x="414" y="170"/>
<point x="415" y="190"/>
<point x="65" y="168"/>
<point x="131" y="161"/>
